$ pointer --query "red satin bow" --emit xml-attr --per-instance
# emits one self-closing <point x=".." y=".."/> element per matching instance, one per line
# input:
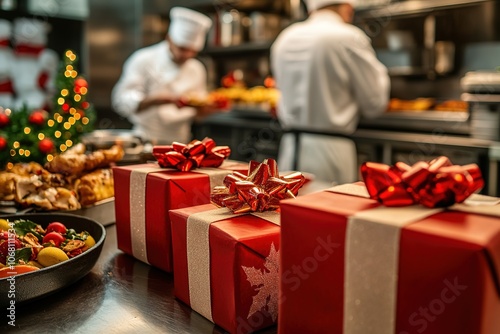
<point x="434" y="184"/>
<point x="195" y="154"/>
<point x="261" y="190"/>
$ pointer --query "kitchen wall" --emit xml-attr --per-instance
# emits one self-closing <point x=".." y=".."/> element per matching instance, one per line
<point x="114" y="30"/>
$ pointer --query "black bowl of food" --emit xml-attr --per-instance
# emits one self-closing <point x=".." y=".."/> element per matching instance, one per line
<point x="35" y="284"/>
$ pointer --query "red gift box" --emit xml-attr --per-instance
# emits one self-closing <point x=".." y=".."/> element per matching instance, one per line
<point x="143" y="195"/>
<point x="236" y="283"/>
<point x="349" y="265"/>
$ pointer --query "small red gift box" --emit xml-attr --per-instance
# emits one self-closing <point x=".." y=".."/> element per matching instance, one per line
<point x="350" y="265"/>
<point x="226" y="265"/>
<point x="143" y="195"/>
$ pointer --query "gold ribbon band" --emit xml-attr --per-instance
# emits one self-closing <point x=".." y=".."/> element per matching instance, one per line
<point x="137" y="203"/>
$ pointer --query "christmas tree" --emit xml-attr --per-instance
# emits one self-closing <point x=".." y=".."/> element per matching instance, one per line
<point x="38" y="135"/>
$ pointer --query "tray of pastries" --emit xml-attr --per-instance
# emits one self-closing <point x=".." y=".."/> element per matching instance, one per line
<point x="74" y="181"/>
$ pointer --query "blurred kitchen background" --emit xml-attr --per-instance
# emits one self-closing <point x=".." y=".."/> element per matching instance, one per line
<point x="437" y="51"/>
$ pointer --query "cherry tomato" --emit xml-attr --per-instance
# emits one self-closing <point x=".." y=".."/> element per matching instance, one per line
<point x="55" y="237"/>
<point x="5" y="235"/>
<point x="56" y="227"/>
<point x="4" y="249"/>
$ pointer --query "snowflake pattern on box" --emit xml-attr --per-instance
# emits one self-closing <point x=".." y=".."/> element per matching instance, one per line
<point x="266" y="283"/>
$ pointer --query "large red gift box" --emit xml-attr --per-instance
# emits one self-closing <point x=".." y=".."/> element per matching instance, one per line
<point x="349" y="265"/>
<point x="143" y="195"/>
<point x="226" y="266"/>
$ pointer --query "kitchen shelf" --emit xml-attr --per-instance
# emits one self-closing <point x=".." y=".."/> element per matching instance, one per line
<point x="217" y="5"/>
<point x="238" y="49"/>
<point x="413" y="7"/>
<point x="432" y="121"/>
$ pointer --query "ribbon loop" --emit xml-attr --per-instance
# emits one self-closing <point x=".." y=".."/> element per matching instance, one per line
<point x="196" y="154"/>
<point x="437" y="183"/>
<point x="260" y="191"/>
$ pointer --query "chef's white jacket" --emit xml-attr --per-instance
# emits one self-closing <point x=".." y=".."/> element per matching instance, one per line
<point x="150" y="70"/>
<point x="328" y="76"/>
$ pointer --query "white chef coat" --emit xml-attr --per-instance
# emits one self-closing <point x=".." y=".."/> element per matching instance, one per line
<point x="328" y="76"/>
<point x="148" y="71"/>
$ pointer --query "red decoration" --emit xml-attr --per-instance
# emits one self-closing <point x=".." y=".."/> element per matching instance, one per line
<point x="28" y="50"/>
<point x="37" y="117"/>
<point x="4" y="120"/>
<point x="262" y="190"/>
<point x="43" y="78"/>
<point x="269" y="82"/>
<point x="81" y="82"/>
<point x="46" y="146"/>
<point x="3" y="143"/>
<point x="65" y="107"/>
<point x="85" y="105"/>
<point x="228" y="81"/>
<point x="6" y="87"/>
<point x="434" y="184"/>
<point x="195" y="154"/>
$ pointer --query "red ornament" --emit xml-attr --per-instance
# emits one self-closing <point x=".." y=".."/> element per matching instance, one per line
<point x="4" y="120"/>
<point x="269" y="82"/>
<point x="81" y="82"/>
<point x="46" y="146"/>
<point x="37" y="117"/>
<point x="65" y="107"/>
<point x="3" y="143"/>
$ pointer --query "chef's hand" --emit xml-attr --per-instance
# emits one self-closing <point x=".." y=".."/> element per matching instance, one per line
<point x="156" y="100"/>
<point x="203" y="108"/>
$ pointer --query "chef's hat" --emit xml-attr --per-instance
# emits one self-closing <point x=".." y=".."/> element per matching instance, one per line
<point x="30" y="31"/>
<point x="315" y="4"/>
<point x="5" y="29"/>
<point x="188" y="28"/>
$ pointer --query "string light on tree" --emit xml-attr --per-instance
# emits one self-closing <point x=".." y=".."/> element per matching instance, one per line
<point x="38" y="135"/>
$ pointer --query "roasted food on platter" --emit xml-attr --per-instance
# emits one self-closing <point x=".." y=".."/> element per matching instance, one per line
<point x="7" y="186"/>
<point x="94" y="186"/>
<point x="213" y="99"/>
<point x="35" y="247"/>
<point x="452" y="105"/>
<point x="70" y="181"/>
<point x="427" y="104"/>
<point x="420" y="104"/>
<point x="74" y="162"/>
<point x="32" y="191"/>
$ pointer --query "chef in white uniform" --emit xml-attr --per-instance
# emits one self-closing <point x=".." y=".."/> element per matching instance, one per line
<point x="154" y="77"/>
<point x="328" y="75"/>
